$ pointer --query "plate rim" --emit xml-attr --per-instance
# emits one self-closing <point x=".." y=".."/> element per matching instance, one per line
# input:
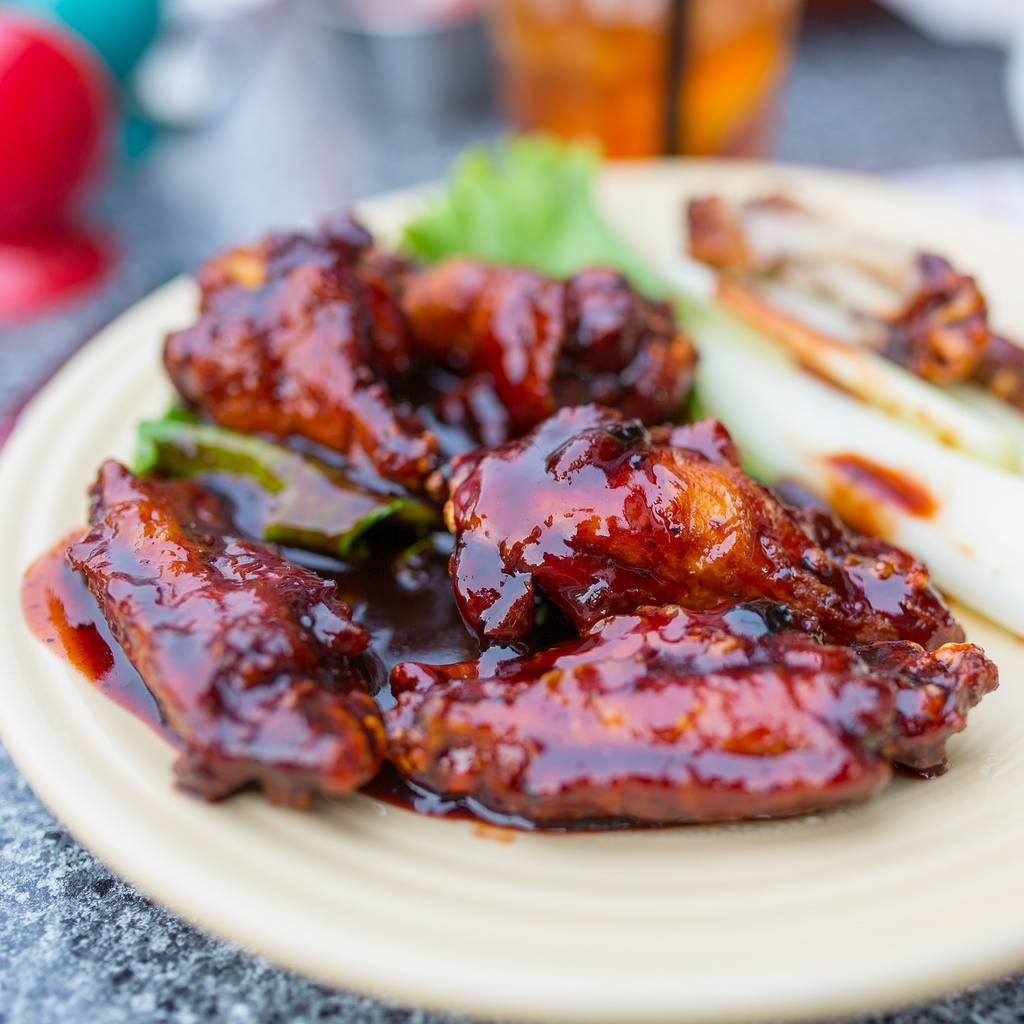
<point x="84" y="826"/>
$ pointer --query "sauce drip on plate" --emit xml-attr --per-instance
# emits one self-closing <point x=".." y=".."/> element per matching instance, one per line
<point x="62" y="614"/>
<point x="404" y="600"/>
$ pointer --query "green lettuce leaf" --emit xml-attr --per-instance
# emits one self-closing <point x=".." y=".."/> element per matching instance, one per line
<point x="292" y="498"/>
<point x="528" y="201"/>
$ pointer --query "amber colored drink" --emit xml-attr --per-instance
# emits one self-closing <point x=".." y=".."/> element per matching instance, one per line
<point x="644" y="77"/>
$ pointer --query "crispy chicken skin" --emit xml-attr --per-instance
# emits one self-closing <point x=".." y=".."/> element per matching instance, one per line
<point x="300" y="335"/>
<point x="934" y="692"/>
<point x="912" y="307"/>
<point x="603" y="516"/>
<point x="250" y="657"/>
<point x="716" y="235"/>
<point x="541" y="343"/>
<point x="942" y="333"/>
<point x="1001" y="370"/>
<point x="494" y="729"/>
<point x="662" y="715"/>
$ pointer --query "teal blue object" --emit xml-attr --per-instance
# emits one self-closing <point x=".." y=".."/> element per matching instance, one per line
<point x="119" y="29"/>
<point x="137" y="137"/>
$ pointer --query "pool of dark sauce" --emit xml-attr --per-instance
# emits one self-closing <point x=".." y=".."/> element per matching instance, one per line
<point x="62" y="613"/>
<point x="401" y="593"/>
<point x="403" y="597"/>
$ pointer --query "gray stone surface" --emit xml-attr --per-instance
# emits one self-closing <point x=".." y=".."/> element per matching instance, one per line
<point x="77" y="946"/>
<point x="874" y="95"/>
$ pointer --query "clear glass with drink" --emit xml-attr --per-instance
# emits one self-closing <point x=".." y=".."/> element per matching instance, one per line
<point x="645" y="77"/>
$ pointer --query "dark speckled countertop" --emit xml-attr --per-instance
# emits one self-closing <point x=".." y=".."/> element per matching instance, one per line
<point x="77" y="946"/>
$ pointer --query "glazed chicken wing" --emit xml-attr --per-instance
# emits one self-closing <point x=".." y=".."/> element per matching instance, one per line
<point x="934" y="692"/>
<point x="300" y="335"/>
<point x="252" y="659"/>
<point x="795" y="274"/>
<point x="602" y="516"/>
<point x="541" y="344"/>
<point x="670" y="715"/>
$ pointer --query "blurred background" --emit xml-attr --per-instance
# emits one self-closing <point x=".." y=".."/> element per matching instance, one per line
<point x="139" y="136"/>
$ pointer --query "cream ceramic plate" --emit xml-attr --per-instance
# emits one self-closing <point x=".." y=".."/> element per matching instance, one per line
<point x="918" y="892"/>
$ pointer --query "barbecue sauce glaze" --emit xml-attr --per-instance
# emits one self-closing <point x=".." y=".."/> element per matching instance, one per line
<point x="403" y="597"/>
<point x="404" y="600"/>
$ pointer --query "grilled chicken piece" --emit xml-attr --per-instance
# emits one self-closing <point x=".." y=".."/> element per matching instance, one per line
<point x="541" y="344"/>
<point x="602" y="516"/>
<point x="668" y="715"/>
<point x="253" y="660"/>
<point x="300" y="335"/>
<point x="1001" y="370"/>
<point x="790" y="272"/>
<point x="934" y="692"/>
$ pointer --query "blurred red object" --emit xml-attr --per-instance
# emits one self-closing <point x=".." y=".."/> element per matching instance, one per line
<point x="56" y="118"/>
<point x="56" y="110"/>
<point x="42" y="270"/>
